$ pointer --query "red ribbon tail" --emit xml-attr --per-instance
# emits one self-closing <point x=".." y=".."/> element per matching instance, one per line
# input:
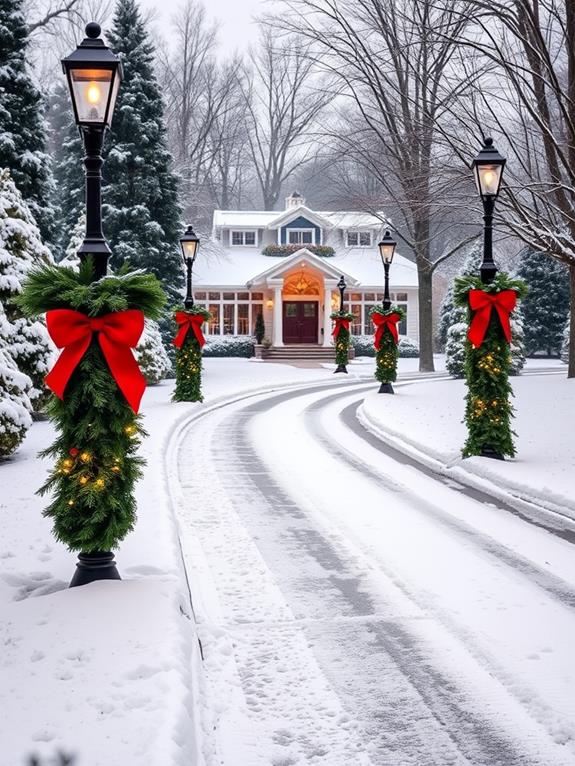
<point x="198" y="333"/>
<point x="181" y="336"/>
<point x="478" y="326"/>
<point x="125" y="371"/>
<point x="58" y="377"/>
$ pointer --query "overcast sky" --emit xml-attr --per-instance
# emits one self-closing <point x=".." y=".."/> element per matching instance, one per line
<point x="236" y="19"/>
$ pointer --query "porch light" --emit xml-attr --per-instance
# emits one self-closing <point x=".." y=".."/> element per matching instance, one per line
<point x="269" y="303"/>
<point x="488" y="170"/>
<point x="387" y="248"/>
<point x="94" y="74"/>
<point x="189" y="244"/>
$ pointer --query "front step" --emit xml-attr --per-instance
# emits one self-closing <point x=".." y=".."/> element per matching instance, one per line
<point x="301" y="352"/>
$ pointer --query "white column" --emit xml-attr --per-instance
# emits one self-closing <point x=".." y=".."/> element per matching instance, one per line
<point x="329" y="285"/>
<point x="277" y="285"/>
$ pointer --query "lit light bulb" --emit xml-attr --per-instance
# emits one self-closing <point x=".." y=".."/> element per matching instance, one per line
<point x="93" y="93"/>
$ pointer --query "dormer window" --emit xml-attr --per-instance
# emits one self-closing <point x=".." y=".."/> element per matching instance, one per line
<point x="359" y="238"/>
<point x="301" y="236"/>
<point x="243" y="238"/>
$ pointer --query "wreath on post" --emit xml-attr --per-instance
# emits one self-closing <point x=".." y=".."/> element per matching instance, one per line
<point x="98" y="387"/>
<point x="342" y="335"/>
<point x="488" y="411"/>
<point x="189" y="343"/>
<point x="386" y="341"/>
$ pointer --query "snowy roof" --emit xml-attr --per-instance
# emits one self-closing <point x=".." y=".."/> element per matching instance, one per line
<point x="262" y="219"/>
<point x="217" y="266"/>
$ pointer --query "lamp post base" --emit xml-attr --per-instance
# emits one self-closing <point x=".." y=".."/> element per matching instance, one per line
<point x="386" y="388"/>
<point x="487" y="451"/>
<point x="340" y="368"/>
<point x="95" y="566"/>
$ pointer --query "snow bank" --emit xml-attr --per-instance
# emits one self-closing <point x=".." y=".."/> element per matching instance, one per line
<point x="427" y="422"/>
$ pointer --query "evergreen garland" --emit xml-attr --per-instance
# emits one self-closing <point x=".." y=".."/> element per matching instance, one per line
<point x="488" y="410"/>
<point x="189" y="364"/>
<point x="388" y="353"/>
<point x="96" y="466"/>
<point x="343" y="340"/>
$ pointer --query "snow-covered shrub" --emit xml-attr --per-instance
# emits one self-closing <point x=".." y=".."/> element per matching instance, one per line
<point x="151" y="354"/>
<point x="565" y="341"/>
<point x="15" y="405"/>
<point x="229" y="345"/>
<point x="71" y="259"/>
<point x="517" y="342"/>
<point x="408" y="348"/>
<point x="455" y="349"/>
<point x="21" y="248"/>
<point x="363" y="346"/>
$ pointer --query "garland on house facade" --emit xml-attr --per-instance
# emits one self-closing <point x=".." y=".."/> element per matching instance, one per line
<point x="488" y="411"/>
<point x="342" y="335"/>
<point x="98" y="388"/>
<point x="386" y="341"/>
<point x="189" y="342"/>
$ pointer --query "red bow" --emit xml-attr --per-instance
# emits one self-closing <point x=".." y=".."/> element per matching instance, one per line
<point x="482" y="304"/>
<point x="185" y="320"/>
<point x="117" y="334"/>
<point x="383" y="321"/>
<point x="339" y="325"/>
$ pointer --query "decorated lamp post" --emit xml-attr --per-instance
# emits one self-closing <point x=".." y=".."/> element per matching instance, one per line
<point x="385" y="319"/>
<point x="190" y="339"/>
<point x="341" y="334"/>
<point x="490" y="299"/>
<point x="96" y="320"/>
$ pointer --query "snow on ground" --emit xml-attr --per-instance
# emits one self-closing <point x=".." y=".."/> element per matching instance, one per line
<point x="427" y="422"/>
<point x="104" y="671"/>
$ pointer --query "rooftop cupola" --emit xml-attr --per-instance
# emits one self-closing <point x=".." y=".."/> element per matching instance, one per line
<point x="294" y="200"/>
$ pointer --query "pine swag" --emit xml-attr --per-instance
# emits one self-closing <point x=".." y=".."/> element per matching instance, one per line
<point x="189" y="342"/>
<point x="342" y="335"/>
<point x="92" y="482"/>
<point x="386" y="342"/>
<point x="488" y="410"/>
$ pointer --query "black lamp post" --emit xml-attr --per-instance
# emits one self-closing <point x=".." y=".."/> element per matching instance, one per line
<point x="341" y="286"/>
<point x="190" y="244"/>
<point x="488" y="170"/>
<point x="387" y="251"/>
<point x="94" y="75"/>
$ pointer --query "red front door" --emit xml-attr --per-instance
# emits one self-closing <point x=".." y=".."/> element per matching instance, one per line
<point x="300" y="321"/>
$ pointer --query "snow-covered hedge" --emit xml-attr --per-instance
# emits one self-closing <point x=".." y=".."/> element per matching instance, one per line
<point x="229" y="345"/>
<point x="363" y="345"/>
<point x="151" y="355"/>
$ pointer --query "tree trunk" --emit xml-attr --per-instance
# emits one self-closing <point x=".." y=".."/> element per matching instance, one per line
<point x="571" y="367"/>
<point x="425" y="277"/>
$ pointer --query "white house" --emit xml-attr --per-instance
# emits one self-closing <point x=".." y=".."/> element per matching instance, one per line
<point x="273" y="262"/>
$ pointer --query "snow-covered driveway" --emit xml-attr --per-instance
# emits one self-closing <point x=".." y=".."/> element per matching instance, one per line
<point x="354" y="610"/>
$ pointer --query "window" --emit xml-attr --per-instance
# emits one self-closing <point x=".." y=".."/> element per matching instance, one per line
<point x="214" y="323"/>
<point x="244" y="238"/>
<point x="359" y="239"/>
<point x="356" y="327"/>
<point x="200" y="296"/>
<point x="229" y="296"/>
<point x="301" y="236"/>
<point x="243" y="319"/>
<point x="257" y="296"/>
<point x="214" y="296"/>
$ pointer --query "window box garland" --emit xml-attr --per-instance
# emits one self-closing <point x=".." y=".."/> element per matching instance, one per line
<point x="342" y="336"/>
<point x="189" y="343"/>
<point x="325" y="251"/>
<point x="99" y="386"/>
<point x="488" y="411"/>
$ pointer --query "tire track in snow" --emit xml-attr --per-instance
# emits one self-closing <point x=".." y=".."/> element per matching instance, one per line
<point x="420" y="716"/>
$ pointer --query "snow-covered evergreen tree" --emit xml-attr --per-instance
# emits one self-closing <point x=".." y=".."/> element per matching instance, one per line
<point x="456" y="332"/>
<point x="15" y="405"/>
<point x="71" y="258"/>
<point x="67" y="157"/>
<point x="547" y="303"/>
<point x="21" y="248"/>
<point x="565" y="340"/>
<point x="142" y="219"/>
<point x="151" y="354"/>
<point x="22" y="125"/>
<point x="449" y="313"/>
